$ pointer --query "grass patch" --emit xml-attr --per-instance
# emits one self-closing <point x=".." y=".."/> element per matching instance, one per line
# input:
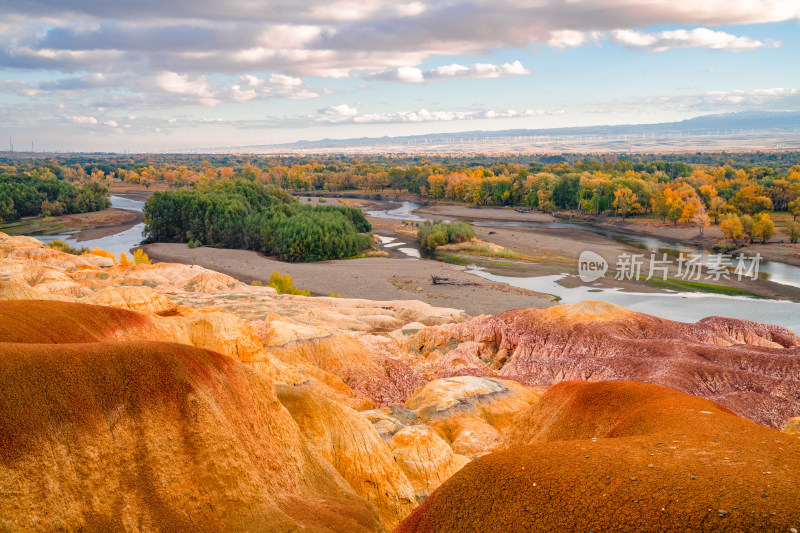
<point x="693" y="286"/>
<point x="483" y="250"/>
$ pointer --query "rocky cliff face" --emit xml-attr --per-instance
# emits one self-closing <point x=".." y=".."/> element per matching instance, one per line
<point x="623" y="457"/>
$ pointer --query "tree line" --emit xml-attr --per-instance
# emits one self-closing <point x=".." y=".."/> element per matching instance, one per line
<point x="248" y="215"/>
<point x="680" y="188"/>
<point x="24" y="195"/>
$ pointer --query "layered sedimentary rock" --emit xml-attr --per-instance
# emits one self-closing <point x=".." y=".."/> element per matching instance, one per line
<point x="67" y="322"/>
<point x="384" y="380"/>
<point x="623" y="456"/>
<point x="471" y="413"/>
<point x="349" y="442"/>
<point x="157" y="436"/>
<point x="426" y="459"/>
<point x="754" y="369"/>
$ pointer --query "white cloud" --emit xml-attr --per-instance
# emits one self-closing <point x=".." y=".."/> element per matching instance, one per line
<point x="566" y="38"/>
<point x="287" y="81"/>
<point x="82" y="119"/>
<point x="181" y="84"/>
<point x="113" y="123"/>
<point x="698" y="37"/>
<point x="341" y="110"/>
<point x="478" y="70"/>
<point x="18" y="87"/>
<point x="344" y="114"/>
<point x="423" y="115"/>
<point x="475" y="71"/>
<point x="710" y="102"/>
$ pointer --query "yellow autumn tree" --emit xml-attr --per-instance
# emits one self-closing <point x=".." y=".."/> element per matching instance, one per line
<point x="625" y="201"/>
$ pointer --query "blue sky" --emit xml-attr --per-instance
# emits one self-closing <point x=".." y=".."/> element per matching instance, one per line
<point x="180" y="74"/>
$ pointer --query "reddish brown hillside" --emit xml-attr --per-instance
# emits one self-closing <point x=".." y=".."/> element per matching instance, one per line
<point x="584" y="410"/>
<point x="677" y="463"/>
<point x="156" y="436"/>
<point x="39" y="321"/>
<point x="753" y="369"/>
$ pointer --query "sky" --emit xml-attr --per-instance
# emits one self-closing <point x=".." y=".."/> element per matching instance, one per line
<point x="163" y="75"/>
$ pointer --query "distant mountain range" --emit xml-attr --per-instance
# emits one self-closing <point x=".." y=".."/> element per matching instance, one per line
<point x="759" y="130"/>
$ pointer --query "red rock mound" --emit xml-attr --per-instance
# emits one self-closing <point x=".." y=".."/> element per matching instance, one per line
<point x="586" y="410"/>
<point x="753" y="369"/>
<point x="35" y="321"/>
<point x="110" y="436"/>
<point x="677" y="463"/>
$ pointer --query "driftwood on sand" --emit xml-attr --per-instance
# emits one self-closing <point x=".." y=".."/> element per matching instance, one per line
<point x="443" y="280"/>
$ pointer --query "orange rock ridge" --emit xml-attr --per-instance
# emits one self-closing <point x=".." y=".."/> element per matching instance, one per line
<point x="622" y="456"/>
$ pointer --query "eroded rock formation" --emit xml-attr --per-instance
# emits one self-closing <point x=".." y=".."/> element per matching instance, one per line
<point x="754" y="369"/>
<point x="157" y="436"/>
<point x="385" y="400"/>
<point x="623" y="456"/>
<point x="349" y="442"/>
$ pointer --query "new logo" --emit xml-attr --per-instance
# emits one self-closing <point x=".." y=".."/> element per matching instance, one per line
<point x="591" y="266"/>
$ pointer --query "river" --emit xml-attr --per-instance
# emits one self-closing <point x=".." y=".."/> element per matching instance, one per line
<point x="680" y="306"/>
<point x="117" y="243"/>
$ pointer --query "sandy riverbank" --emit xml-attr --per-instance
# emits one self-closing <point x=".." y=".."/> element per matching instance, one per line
<point x="105" y="230"/>
<point x="372" y="278"/>
<point x="106" y="222"/>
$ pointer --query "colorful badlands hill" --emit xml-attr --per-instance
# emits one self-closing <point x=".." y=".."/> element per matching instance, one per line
<point x="753" y="369"/>
<point x="133" y="435"/>
<point x="623" y="456"/>
<point x="136" y="397"/>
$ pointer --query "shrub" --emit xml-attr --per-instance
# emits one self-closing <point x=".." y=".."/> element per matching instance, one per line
<point x="431" y="235"/>
<point x="101" y="253"/>
<point x="123" y="260"/>
<point x="140" y="258"/>
<point x="284" y="284"/>
<point x="61" y="246"/>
